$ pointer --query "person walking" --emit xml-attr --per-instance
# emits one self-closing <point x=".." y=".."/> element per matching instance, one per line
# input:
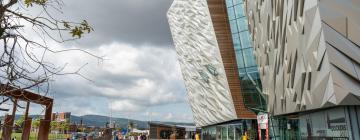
<point x="245" y="137"/>
<point x="197" y="136"/>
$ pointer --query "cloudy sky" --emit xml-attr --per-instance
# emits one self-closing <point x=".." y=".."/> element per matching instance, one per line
<point x="139" y="77"/>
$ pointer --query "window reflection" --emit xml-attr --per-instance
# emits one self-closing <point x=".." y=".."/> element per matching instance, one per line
<point x="245" y="59"/>
<point x="231" y="131"/>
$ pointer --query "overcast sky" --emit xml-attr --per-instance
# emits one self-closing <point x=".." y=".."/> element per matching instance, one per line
<point x="140" y="76"/>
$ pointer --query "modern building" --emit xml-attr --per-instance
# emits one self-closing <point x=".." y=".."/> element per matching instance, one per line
<point x="61" y="116"/>
<point x="308" y="53"/>
<point x="215" y="53"/>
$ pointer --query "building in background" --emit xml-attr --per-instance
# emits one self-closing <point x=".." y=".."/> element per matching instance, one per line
<point x="61" y="116"/>
<point x="308" y="53"/>
<point x="164" y="131"/>
<point x="215" y="53"/>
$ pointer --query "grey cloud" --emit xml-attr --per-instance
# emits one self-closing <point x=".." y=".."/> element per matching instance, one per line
<point x="142" y="70"/>
<point x="116" y="80"/>
<point x="131" y="21"/>
<point x="136" y="77"/>
<point x="82" y="106"/>
<point x="72" y="86"/>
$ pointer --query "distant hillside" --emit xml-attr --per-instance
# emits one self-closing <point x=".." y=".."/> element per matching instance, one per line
<point x="100" y="121"/>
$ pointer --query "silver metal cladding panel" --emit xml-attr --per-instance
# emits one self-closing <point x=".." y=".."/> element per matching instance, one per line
<point x="307" y="60"/>
<point x="200" y="62"/>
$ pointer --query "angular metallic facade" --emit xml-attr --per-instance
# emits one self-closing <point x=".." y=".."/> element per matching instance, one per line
<point x="307" y="51"/>
<point x="219" y="89"/>
<point x="200" y="62"/>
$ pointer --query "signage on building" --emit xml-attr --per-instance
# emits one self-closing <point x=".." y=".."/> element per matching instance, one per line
<point x="262" y="119"/>
<point x="263" y="123"/>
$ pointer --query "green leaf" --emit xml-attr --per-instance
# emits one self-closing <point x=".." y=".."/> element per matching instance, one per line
<point x="28" y="3"/>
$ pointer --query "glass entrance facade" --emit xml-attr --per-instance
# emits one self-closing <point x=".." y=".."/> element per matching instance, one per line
<point x="284" y="129"/>
<point x="246" y="63"/>
<point x="231" y="131"/>
<point x="341" y="123"/>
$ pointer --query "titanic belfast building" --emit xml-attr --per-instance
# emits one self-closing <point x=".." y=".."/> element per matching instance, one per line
<point x="293" y="64"/>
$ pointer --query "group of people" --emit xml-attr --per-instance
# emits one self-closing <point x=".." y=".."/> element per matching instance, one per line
<point x="120" y="136"/>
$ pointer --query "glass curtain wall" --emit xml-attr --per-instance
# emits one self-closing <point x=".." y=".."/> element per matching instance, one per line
<point x="284" y="129"/>
<point x="340" y="123"/>
<point x="231" y="131"/>
<point x="247" y="67"/>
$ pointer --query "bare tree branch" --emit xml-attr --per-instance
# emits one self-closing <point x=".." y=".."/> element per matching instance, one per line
<point x="23" y="65"/>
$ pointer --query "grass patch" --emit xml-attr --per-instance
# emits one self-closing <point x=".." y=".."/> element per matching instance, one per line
<point x="33" y="136"/>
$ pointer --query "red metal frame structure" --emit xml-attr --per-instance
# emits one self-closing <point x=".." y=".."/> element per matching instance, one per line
<point x="29" y="97"/>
